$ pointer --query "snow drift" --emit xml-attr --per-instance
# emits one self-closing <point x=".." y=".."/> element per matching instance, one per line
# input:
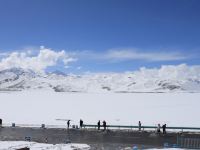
<point x="13" y="145"/>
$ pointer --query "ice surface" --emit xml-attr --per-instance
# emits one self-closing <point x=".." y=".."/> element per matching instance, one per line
<point x="174" y="109"/>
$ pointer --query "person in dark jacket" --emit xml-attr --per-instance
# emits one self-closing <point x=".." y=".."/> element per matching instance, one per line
<point x="139" y="125"/>
<point x="104" y="125"/>
<point x="81" y="123"/>
<point x="68" y="123"/>
<point x="0" y="122"/>
<point x="99" y="124"/>
<point x="164" y="128"/>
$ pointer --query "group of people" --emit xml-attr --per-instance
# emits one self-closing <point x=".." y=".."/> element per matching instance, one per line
<point x="81" y="124"/>
<point x="163" y="128"/>
<point x="139" y="126"/>
<point x="105" y="125"/>
<point x="158" y="127"/>
<point x="99" y="125"/>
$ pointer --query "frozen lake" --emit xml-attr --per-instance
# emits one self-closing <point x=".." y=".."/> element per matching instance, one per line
<point x="174" y="109"/>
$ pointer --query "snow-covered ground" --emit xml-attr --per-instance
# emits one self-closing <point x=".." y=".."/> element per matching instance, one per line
<point x="174" y="109"/>
<point x="8" y="145"/>
<point x="166" y="149"/>
<point x="12" y="145"/>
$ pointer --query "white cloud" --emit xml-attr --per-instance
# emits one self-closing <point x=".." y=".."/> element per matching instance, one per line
<point x="177" y="72"/>
<point x="117" y="55"/>
<point x="45" y="58"/>
<point x="131" y="54"/>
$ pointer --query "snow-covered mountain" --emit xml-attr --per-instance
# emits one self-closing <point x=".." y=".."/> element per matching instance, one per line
<point x="179" y="79"/>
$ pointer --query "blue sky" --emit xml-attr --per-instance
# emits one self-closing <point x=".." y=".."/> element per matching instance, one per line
<point x="104" y="35"/>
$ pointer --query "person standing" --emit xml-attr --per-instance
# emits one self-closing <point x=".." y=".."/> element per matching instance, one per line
<point x="68" y="123"/>
<point x="81" y="123"/>
<point x="164" y="128"/>
<point x="139" y="125"/>
<point x="104" y="125"/>
<point x="99" y="124"/>
<point x="158" y="128"/>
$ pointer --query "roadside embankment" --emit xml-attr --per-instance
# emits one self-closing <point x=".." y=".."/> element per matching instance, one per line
<point x="96" y="138"/>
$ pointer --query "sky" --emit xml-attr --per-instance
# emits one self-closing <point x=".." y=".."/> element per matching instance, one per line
<point x="98" y="35"/>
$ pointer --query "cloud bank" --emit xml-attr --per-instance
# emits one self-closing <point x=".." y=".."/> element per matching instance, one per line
<point x="120" y="55"/>
<point x="169" y="72"/>
<point x="39" y="62"/>
<point x="131" y="54"/>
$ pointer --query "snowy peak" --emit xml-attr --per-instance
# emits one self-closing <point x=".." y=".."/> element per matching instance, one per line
<point x="18" y="72"/>
<point x="57" y="72"/>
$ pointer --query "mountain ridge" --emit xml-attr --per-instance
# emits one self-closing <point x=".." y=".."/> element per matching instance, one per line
<point x="18" y="79"/>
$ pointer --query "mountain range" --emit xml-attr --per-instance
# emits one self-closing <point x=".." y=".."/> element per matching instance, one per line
<point x="18" y="79"/>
